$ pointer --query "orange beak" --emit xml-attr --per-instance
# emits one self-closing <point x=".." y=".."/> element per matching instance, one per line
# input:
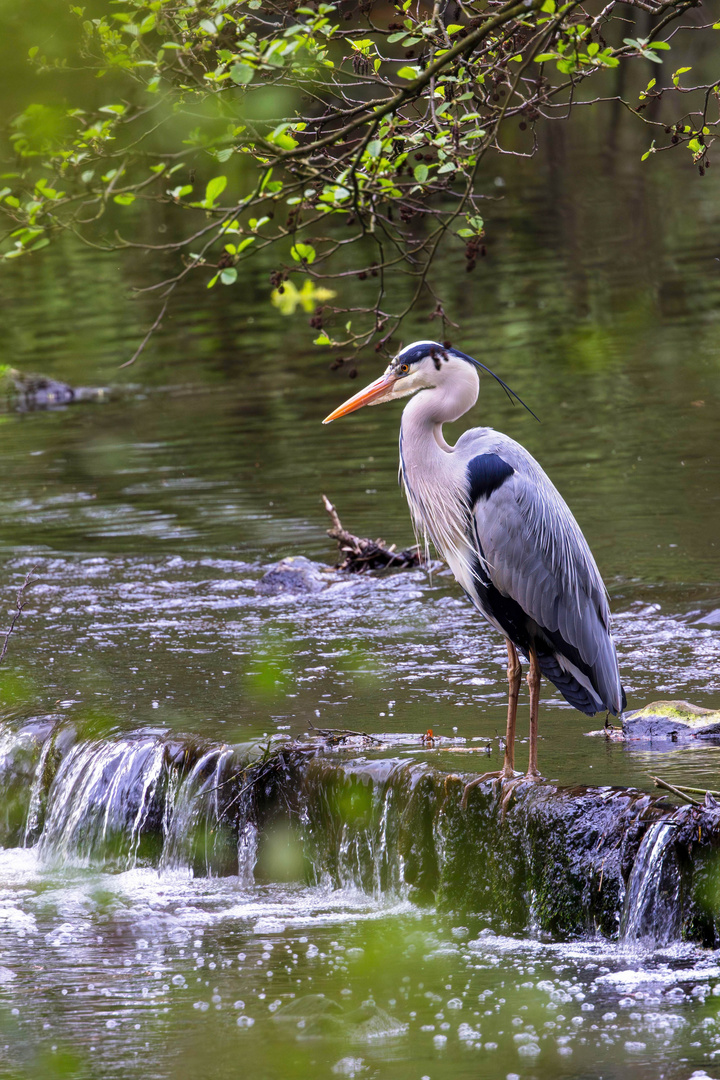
<point x="371" y="395"/>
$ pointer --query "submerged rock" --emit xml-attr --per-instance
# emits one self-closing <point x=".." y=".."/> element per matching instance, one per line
<point x="314" y="1014"/>
<point x="296" y="574"/>
<point x="671" y="721"/>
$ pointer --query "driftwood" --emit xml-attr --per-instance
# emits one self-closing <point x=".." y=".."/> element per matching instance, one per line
<point x="336" y="736"/>
<point x="682" y="793"/>
<point x="686" y="793"/>
<point x="358" y="554"/>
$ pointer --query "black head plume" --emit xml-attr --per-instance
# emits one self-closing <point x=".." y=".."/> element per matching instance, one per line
<point x="508" y="390"/>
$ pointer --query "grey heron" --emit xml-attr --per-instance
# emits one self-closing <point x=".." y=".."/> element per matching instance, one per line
<point x="507" y="534"/>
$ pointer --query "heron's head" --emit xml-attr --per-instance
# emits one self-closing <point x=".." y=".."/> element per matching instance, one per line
<point x="420" y="366"/>
<point x="424" y="365"/>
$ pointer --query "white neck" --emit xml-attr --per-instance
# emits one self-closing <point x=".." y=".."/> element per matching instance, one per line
<point x="435" y="481"/>
<point x="426" y="412"/>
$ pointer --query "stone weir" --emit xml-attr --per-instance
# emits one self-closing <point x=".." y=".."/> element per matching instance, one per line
<point x="540" y="858"/>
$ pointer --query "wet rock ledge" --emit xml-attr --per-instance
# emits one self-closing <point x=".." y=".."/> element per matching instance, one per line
<point x="560" y="861"/>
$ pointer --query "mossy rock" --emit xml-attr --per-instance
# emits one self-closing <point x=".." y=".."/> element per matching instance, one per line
<point x="672" y="721"/>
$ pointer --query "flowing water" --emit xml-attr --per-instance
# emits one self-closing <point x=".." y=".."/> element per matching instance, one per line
<point x="150" y="928"/>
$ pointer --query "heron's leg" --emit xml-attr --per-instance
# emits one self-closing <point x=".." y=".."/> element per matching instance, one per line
<point x="534" y="685"/>
<point x="514" y="674"/>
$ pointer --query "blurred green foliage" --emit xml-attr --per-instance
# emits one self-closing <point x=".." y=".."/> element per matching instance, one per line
<point x="303" y="133"/>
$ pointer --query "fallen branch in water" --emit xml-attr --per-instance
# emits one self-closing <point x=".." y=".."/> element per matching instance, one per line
<point x="19" y="605"/>
<point x="359" y="553"/>
<point x="338" y="735"/>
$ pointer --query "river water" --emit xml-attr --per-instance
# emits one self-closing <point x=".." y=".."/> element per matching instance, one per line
<point x="151" y="517"/>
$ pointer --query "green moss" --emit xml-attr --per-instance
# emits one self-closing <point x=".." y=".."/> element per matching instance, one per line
<point x="682" y="711"/>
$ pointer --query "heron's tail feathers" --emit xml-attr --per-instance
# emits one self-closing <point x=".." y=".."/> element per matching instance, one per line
<point x="571" y="689"/>
<point x="576" y="687"/>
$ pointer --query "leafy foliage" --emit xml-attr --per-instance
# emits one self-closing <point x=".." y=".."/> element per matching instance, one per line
<point x="350" y="146"/>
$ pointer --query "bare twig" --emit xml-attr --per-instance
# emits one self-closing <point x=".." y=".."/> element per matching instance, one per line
<point x="675" y="790"/>
<point x="150" y="332"/>
<point x="19" y="605"/>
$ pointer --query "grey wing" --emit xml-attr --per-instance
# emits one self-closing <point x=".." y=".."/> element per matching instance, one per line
<point x="534" y="554"/>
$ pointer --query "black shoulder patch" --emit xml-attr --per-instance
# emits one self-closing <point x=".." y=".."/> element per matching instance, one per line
<point x="486" y="473"/>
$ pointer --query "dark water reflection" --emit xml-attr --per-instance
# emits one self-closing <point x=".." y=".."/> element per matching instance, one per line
<point x="152" y="516"/>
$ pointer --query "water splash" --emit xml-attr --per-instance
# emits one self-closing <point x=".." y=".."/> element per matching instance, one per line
<point x="247" y="854"/>
<point x="651" y="909"/>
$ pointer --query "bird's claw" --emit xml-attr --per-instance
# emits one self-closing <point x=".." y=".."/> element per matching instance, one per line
<point x="498" y="774"/>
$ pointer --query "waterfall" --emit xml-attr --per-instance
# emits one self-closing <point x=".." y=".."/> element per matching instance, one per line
<point x="121" y="801"/>
<point x="552" y="859"/>
<point x="353" y="819"/>
<point x="651" y="909"/>
<point x="100" y="800"/>
<point x="199" y="833"/>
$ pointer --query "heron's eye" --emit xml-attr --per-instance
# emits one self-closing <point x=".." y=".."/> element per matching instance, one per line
<point x="404" y="368"/>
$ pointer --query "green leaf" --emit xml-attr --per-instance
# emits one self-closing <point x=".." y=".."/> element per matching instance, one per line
<point x="396" y="37"/>
<point x="374" y="148"/>
<point x="408" y="73"/>
<point x="678" y="73"/>
<point x="214" y="189"/>
<point x="303" y="253"/>
<point x="420" y="172"/>
<point x="280" y="137"/>
<point x="229" y="276"/>
<point x="124" y="200"/>
<point x="242" y="74"/>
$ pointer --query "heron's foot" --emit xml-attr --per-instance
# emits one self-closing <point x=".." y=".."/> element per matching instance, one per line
<point x="476" y="783"/>
<point x="512" y="783"/>
<point x="508" y="795"/>
<point x="499" y="774"/>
